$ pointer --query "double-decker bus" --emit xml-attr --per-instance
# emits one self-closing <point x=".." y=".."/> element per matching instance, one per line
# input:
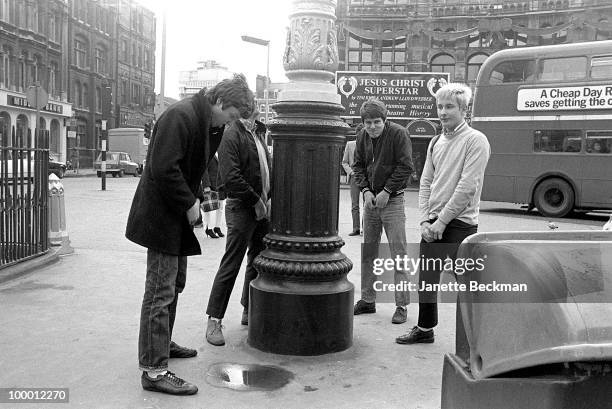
<point x="547" y="112"/>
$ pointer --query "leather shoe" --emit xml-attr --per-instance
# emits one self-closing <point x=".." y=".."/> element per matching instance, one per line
<point x="167" y="383"/>
<point x="363" y="307"/>
<point x="245" y="317"/>
<point x="354" y="233"/>
<point x="416" y="336"/>
<point x="177" y="351"/>
<point x="218" y="232"/>
<point x="214" y="333"/>
<point x="399" y="316"/>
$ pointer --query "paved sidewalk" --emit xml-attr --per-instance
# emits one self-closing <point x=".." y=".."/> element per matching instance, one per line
<point x="74" y="324"/>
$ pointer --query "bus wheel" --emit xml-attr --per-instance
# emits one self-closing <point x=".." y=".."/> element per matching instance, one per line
<point x="554" y="197"/>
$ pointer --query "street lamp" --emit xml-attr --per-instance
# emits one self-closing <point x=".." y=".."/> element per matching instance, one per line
<point x="266" y="43"/>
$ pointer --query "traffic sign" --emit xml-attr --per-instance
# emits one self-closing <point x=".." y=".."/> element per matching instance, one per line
<point x="37" y="97"/>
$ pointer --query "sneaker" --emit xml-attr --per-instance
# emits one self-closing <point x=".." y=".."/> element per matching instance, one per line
<point x="354" y="233"/>
<point x="363" y="307"/>
<point x="214" y="333"/>
<point x="399" y="316"/>
<point x="245" y="317"/>
<point x="167" y="383"/>
<point x="416" y="336"/>
<point x="177" y="351"/>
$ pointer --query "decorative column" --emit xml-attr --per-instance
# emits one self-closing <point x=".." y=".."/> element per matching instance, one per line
<point x="301" y="302"/>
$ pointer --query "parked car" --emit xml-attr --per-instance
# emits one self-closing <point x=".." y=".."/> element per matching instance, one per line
<point x="57" y="167"/>
<point x="117" y="164"/>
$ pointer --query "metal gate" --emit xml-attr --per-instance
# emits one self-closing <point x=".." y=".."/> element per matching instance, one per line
<point x="23" y="196"/>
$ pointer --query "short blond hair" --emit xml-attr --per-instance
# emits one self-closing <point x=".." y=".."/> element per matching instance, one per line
<point x="461" y="93"/>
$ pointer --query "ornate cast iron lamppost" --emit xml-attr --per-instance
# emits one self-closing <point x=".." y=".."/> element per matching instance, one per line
<point x="301" y="303"/>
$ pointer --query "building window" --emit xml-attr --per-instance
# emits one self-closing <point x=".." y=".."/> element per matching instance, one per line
<point x="5" y="68"/>
<point x="81" y="132"/>
<point x="135" y="93"/>
<point x="134" y="54"/>
<point x="53" y="77"/>
<point x="85" y="96"/>
<point x="473" y="66"/>
<point x="512" y="71"/>
<point x="21" y="73"/>
<point x="78" y="98"/>
<point x="52" y="29"/>
<point x="124" y="50"/>
<point x="124" y="89"/>
<point x="100" y="60"/>
<point x="98" y="100"/>
<point x="443" y="63"/>
<point x="80" y="53"/>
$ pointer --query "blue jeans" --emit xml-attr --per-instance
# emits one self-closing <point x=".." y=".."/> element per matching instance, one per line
<point x="243" y="232"/>
<point x="393" y="219"/>
<point x="166" y="275"/>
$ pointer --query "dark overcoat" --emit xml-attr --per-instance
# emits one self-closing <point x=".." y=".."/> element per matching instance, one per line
<point x="179" y="151"/>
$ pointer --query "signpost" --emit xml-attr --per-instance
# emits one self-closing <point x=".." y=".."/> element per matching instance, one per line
<point x="38" y="98"/>
<point x="408" y="95"/>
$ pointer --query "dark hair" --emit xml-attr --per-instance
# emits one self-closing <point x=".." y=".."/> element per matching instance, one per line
<point x="373" y="108"/>
<point x="233" y="92"/>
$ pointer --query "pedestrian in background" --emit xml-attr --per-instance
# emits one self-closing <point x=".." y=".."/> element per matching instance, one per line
<point x="215" y="217"/>
<point x="383" y="164"/>
<point x="348" y="160"/>
<point x="244" y="172"/>
<point x="165" y="207"/>
<point x="449" y="197"/>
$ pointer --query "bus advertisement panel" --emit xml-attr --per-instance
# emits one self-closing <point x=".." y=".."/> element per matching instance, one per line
<point x="408" y="95"/>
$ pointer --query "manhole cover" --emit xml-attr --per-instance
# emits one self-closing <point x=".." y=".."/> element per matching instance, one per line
<point x="252" y="377"/>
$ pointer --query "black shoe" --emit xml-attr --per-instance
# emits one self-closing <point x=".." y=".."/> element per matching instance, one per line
<point x="355" y="233"/>
<point x="218" y="232"/>
<point x="416" y="336"/>
<point x="177" y="351"/>
<point x="363" y="307"/>
<point x="211" y="233"/>
<point x="167" y="383"/>
<point x="245" y="317"/>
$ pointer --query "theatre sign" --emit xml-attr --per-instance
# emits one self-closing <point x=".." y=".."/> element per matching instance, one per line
<point x="407" y="95"/>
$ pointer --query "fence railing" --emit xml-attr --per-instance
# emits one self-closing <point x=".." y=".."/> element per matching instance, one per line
<point x="23" y="197"/>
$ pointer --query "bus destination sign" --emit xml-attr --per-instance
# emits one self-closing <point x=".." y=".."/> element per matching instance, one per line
<point x="408" y="95"/>
<point x="565" y="98"/>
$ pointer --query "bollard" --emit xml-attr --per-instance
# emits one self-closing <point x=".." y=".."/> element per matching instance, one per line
<point x="58" y="235"/>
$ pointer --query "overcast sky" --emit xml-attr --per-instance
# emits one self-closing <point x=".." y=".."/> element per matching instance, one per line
<point x="211" y="29"/>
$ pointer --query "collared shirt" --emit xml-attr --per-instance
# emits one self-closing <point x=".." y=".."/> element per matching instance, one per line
<point x="449" y="134"/>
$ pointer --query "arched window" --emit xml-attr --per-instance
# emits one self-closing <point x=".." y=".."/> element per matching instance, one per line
<point x="54" y="137"/>
<point x="53" y="78"/>
<point x="473" y="66"/>
<point x="443" y="63"/>
<point x="22" y="131"/>
<point x="5" y="129"/>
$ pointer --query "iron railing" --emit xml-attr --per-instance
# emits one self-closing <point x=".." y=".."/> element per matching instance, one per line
<point x="23" y="197"/>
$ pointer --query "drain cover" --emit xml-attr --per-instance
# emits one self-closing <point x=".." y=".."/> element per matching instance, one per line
<point x="251" y="377"/>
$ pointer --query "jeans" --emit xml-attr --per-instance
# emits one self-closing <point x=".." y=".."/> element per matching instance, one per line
<point x="355" y="193"/>
<point x="166" y="275"/>
<point x="393" y="220"/>
<point x="456" y="231"/>
<point x="243" y="232"/>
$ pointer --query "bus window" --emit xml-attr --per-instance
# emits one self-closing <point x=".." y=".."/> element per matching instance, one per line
<point x="563" y="69"/>
<point x="601" y="67"/>
<point x="555" y="140"/>
<point x="512" y="71"/>
<point x="599" y="142"/>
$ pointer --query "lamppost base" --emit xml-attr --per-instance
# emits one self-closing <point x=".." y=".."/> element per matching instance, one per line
<point x="304" y="319"/>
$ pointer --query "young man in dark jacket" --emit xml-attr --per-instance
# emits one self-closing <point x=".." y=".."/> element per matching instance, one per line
<point x="383" y="164"/>
<point x="244" y="173"/>
<point x="165" y="208"/>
